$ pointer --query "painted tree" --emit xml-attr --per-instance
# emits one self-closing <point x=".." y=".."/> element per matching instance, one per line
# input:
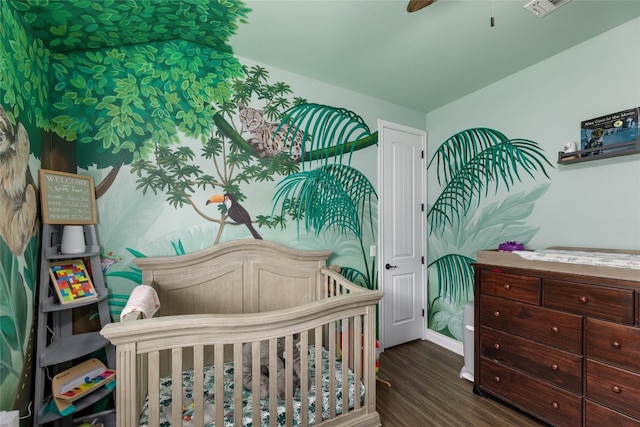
<point x="120" y="103"/>
<point x="235" y="162"/>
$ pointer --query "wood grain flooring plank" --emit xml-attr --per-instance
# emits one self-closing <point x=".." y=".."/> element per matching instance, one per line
<point x="426" y="390"/>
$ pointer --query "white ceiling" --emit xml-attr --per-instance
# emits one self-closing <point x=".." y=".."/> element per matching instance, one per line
<point x="421" y="60"/>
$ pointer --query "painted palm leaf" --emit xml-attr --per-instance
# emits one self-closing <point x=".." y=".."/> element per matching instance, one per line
<point x="331" y="196"/>
<point x="326" y="131"/>
<point x="369" y="280"/>
<point x="470" y="161"/>
<point x="455" y="275"/>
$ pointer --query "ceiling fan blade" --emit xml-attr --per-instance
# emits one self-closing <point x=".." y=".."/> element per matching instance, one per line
<point x="415" y="5"/>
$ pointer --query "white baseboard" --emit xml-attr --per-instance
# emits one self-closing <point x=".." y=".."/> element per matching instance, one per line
<point x="444" y="341"/>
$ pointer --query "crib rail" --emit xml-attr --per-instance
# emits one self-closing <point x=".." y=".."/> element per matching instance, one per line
<point x="341" y="322"/>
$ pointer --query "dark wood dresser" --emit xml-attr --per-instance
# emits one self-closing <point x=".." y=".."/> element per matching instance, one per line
<point x="561" y="342"/>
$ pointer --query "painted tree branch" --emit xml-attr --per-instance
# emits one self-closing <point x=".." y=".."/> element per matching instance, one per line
<point x="238" y="140"/>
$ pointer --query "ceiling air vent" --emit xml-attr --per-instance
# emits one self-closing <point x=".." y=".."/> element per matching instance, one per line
<point x="542" y="8"/>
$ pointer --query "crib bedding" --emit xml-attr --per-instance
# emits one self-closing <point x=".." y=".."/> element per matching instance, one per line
<point x="247" y="412"/>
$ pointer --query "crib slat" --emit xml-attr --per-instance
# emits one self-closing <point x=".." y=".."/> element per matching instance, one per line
<point x="237" y="381"/>
<point x="139" y="374"/>
<point x="198" y="385"/>
<point x="349" y="341"/>
<point x="219" y="383"/>
<point x="369" y="379"/>
<point x="319" y="369"/>
<point x="125" y="394"/>
<point x="255" y="380"/>
<point x="332" y="369"/>
<point x="154" y="388"/>
<point x="273" y="381"/>
<point x="358" y="361"/>
<point x="304" y="380"/>
<point x="288" y="369"/>
<point x="176" y="386"/>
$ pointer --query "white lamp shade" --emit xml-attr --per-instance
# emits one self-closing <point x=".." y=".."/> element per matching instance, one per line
<point x="72" y="239"/>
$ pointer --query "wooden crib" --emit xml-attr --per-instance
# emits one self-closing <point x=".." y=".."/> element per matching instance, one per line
<point x="241" y="293"/>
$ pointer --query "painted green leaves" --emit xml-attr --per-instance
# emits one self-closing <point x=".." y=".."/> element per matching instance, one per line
<point x="472" y="161"/>
<point x="16" y="291"/>
<point x="331" y="196"/>
<point x="328" y="131"/>
<point x="127" y="101"/>
<point x="468" y="165"/>
<point x="24" y="65"/>
<point x="67" y="26"/>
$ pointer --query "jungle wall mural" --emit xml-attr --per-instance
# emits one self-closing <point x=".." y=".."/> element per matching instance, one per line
<point x="24" y="88"/>
<point x="467" y="166"/>
<point x="190" y="148"/>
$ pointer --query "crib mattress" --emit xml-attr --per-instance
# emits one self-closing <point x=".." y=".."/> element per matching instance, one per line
<point x="247" y="412"/>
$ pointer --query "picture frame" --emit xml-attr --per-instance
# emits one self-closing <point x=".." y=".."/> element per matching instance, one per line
<point x="613" y="133"/>
<point x="72" y="281"/>
<point x="67" y="198"/>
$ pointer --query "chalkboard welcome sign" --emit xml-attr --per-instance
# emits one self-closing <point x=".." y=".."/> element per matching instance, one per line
<point x="67" y="198"/>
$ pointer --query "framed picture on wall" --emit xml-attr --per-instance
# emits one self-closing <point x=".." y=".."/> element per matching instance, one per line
<point x="67" y="198"/>
<point x="71" y="281"/>
<point x="613" y="133"/>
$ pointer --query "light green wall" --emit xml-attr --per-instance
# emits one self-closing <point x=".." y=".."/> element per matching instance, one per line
<point x="591" y="204"/>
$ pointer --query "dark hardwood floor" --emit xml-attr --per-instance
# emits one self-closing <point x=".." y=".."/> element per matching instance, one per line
<point x="426" y="390"/>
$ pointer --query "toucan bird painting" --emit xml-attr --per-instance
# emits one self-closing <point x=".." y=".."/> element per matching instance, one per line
<point x="235" y="211"/>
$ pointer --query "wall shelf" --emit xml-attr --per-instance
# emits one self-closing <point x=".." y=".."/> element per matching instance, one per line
<point x="58" y="347"/>
<point x="599" y="153"/>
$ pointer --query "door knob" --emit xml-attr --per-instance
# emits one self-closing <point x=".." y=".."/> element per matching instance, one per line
<point x="389" y="266"/>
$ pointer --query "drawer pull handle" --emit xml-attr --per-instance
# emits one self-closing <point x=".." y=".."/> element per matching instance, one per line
<point x="496" y="346"/>
<point x="616" y="389"/>
<point x="555" y="367"/>
<point x="555" y="405"/>
<point x="616" y="345"/>
<point x="507" y="286"/>
<point x="583" y="299"/>
<point x="496" y="313"/>
<point x="555" y="329"/>
<point x="497" y="378"/>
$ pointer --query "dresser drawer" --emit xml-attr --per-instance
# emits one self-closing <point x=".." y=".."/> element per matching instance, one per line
<point x="600" y="416"/>
<point x="613" y="387"/>
<point x="550" y="404"/>
<point x="512" y="286"/>
<point x="555" y="366"/>
<point x="555" y="329"/>
<point x="589" y="300"/>
<point x="615" y="344"/>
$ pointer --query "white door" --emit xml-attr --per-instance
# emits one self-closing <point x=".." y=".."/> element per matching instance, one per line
<point x="401" y="235"/>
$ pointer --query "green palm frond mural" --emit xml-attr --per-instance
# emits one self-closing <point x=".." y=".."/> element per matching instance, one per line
<point x="453" y="270"/>
<point x="332" y="196"/>
<point x="328" y="130"/>
<point x="468" y="166"/>
<point x="471" y="161"/>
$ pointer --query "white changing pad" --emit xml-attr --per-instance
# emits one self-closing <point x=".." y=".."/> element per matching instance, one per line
<point x="603" y="259"/>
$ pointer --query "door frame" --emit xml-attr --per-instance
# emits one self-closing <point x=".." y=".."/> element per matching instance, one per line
<point x="381" y="234"/>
